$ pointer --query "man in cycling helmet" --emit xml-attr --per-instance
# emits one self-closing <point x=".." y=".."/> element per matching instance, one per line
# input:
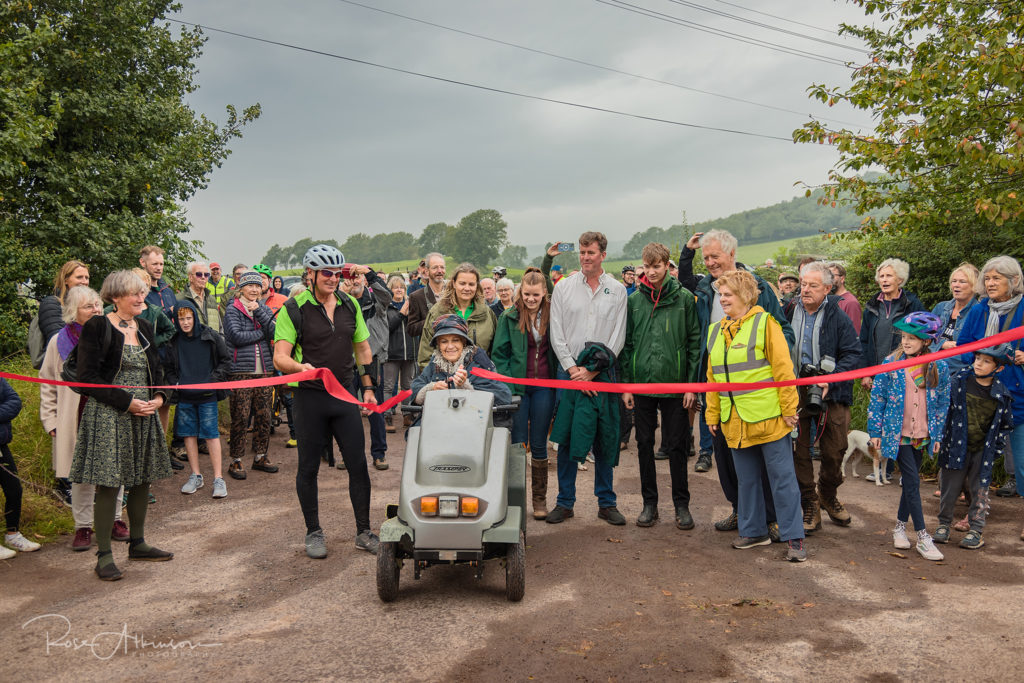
<point x="272" y="299"/>
<point x="629" y="279"/>
<point x="499" y="272"/>
<point x="324" y="328"/>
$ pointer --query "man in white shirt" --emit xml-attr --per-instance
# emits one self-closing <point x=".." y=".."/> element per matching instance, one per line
<point x="587" y="306"/>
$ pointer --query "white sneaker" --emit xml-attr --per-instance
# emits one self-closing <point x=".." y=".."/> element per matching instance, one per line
<point x="926" y="547"/>
<point x="6" y="553"/>
<point x="899" y="536"/>
<point x="20" y="543"/>
<point x="194" y="483"/>
<point x="581" y="467"/>
<point x="590" y="456"/>
<point x="871" y="478"/>
<point x="220" y="489"/>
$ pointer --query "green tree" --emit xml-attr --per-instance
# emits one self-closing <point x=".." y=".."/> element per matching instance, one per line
<point x="98" y="150"/>
<point x="943" y="84"/>
<point x="435" y="237"/>
<point x="513" y="256"/>
<point x="478" y="238"/>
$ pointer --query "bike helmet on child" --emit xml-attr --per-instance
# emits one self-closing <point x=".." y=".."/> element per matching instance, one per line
<point x="323" y="256"/>
<point x="921" y="324"/>
<point x="1002" y="354"/>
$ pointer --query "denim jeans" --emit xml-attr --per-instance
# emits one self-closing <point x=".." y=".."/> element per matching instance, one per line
<point x="909" y="459"/>
<point x="533" y="419"/>
<point x="777" y="458"/>
<point x="706" y="444"/>
<point x="567" y="473"/>
<point x="1017" y="446"/>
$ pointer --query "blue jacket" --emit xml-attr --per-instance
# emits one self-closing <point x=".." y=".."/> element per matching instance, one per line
<point x="163" y="296"/>
<point x="244" y="333"/>
<point x="944" y="309"/>
<point x="954" y="446"/>
<point x="885" y="411"/>
<point x="838" y="339"/>
<point x="10" y="406"/>
<point x="906" y="303"/>
<point x="1012" y="375"/>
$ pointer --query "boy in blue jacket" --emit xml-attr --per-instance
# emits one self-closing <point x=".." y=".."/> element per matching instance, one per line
<point x="979" y="421"/>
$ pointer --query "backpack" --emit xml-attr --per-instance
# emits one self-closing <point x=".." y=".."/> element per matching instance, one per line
<point x="69" y="372"/>
<point x="291" y="306"/>
<point x="36" y="343"/>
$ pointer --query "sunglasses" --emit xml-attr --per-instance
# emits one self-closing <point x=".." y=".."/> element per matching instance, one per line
<point x="201" y="274"/>
<point x="330" y="273"/>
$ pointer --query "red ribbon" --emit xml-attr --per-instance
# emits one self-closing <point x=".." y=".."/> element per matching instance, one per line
<point x="701" y="387"/>
<point x="331" y="384"/>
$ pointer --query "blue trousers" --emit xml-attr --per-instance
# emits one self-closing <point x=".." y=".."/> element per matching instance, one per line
<point x="533" y="419"/>
<point x="705" y="433"/>
<point x="777" y="458"/>
<point x="567" y="472"/>
<point x="909" y="459"/>
<point x="1017" y="446"/>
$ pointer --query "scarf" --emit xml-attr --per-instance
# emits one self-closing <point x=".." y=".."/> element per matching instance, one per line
<point x="998" y="309"/>
<point x="67" y="339"/>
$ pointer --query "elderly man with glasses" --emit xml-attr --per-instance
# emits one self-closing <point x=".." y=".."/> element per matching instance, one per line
<point x="198" y="294"/>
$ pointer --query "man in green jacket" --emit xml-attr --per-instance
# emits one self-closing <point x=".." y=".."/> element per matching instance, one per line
<point x="662" y="345"/>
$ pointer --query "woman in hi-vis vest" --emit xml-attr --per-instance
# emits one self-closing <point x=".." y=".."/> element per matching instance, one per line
<point x="748" y="346"/>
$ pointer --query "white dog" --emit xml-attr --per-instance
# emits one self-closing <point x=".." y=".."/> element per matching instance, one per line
<point x="859" y="443"/>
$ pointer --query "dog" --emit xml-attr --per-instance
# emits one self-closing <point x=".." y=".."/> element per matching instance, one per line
<point x="859" y="443"/>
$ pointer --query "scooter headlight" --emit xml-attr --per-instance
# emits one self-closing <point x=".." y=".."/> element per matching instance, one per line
<point x="448" y="506"/>
<point x="470" y="506"/>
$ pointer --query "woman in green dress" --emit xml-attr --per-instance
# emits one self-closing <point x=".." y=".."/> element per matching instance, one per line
<point x="120" y="440"/>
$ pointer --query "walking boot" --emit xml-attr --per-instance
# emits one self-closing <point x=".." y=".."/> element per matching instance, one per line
<point x="836" y="511"/>
<point x="812" y="516"/>
<point x="539" y="486"/>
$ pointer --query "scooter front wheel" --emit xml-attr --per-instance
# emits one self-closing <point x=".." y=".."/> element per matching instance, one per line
<point x="515" y="570"/>
<point x="388" y="569"/>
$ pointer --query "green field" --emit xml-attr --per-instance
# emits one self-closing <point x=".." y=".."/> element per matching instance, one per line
<point x="754" y="254"/>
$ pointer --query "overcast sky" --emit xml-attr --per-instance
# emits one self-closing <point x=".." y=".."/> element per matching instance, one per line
<point x="343" y="147"/>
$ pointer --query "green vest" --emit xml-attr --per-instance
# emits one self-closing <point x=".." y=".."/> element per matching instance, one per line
<point x="744" y="362"/>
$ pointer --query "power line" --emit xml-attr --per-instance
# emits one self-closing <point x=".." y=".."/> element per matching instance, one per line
<point x="721" y="33"/>
<point x="780" y="18"/>
<point x="487" y="88"/>
<point x="760" y="24"/>
<point x="589" y="64"/>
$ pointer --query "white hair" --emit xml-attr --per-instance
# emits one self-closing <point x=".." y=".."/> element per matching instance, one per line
<point x="1008" y="267"/>
<point x="821" y="268"/>
<point x="193" y="265"/>
<point x="900" y="268"/>
<point x="75" y="298"/>
<point x="724" y="238"/>
<point x="505" y="282"/>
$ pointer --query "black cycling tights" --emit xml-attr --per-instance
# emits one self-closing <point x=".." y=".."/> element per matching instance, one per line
<point x="318" y="417"/>
<point x="11" y="488"/>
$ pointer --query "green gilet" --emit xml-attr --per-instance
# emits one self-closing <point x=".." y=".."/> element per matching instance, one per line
<point x="744" y="362"/>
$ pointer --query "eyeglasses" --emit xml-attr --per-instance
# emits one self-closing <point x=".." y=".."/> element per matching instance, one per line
<point x="201" y="274"/>
<point x="329" y="273"/>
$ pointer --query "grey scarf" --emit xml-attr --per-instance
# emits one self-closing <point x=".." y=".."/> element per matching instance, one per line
<point x="997" y="309"/>
<point x="798" y="325"/>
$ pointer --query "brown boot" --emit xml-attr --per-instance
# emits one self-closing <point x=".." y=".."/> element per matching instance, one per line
<point x="539" y="485"/>
<point x="812" y="517"/>
<point x="836" y="511"/>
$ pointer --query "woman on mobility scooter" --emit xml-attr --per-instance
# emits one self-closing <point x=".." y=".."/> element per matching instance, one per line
<point x="453" y="357"/>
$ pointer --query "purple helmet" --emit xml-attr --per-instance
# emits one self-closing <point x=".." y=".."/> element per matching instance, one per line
<point x="921" y="324"/>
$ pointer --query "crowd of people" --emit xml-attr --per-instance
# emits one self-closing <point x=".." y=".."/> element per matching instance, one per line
<point x="381" y="333"/>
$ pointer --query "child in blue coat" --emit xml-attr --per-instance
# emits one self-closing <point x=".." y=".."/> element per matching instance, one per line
<point x="979" y="423"/>
<point x="10" y="406"/>
<point x="907" y="415"/>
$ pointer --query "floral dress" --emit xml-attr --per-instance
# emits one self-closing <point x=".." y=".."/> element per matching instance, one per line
<point x="117" y="448"/>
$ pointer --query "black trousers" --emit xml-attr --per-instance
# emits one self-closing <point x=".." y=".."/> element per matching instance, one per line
<point x="11" y="486"/>
<point x="730" y="482"/>
<point x="318" y="417"/>
<point x="674" y="433"/>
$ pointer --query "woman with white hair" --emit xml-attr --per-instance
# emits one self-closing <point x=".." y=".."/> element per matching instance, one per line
<point x="1002" y="285"/>
<point x="878" y="337"/>
<point x="506" y="290"/>
<point x="59" y="408"/>
<point x="962" y="283"/>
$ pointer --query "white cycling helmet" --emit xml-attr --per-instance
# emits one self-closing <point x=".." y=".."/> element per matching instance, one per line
<point x="323" y="256"/>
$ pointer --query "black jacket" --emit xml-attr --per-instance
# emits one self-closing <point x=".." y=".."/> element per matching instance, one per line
<point x="243" y="332"/>
<point x="401" y="344"/>
<point x="10" y="406"/>
<point x="51" y="319"/>
<point x="836" y="338"/>
<point x="873" y="316"/>
<point x="219" y="360"/>
<point x="97" y="367"/>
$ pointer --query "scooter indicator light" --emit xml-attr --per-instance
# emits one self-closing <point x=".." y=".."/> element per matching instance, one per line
<point x="428" y="506"/>
<point x="470" y="506"/>
<point x="448" y="506"/>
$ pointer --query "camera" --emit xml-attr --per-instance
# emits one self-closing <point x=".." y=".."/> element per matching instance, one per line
<point x="815" y="401"/>
<point x="566" y="246"/>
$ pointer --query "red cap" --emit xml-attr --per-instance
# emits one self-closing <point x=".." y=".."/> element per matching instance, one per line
<point x="214" y="264"/>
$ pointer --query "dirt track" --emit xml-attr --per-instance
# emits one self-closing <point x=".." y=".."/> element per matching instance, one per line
<point x="602" y="602"/>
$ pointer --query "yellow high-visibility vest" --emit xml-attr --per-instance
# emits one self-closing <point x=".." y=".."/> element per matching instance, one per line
<point x="744" y="361"/>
